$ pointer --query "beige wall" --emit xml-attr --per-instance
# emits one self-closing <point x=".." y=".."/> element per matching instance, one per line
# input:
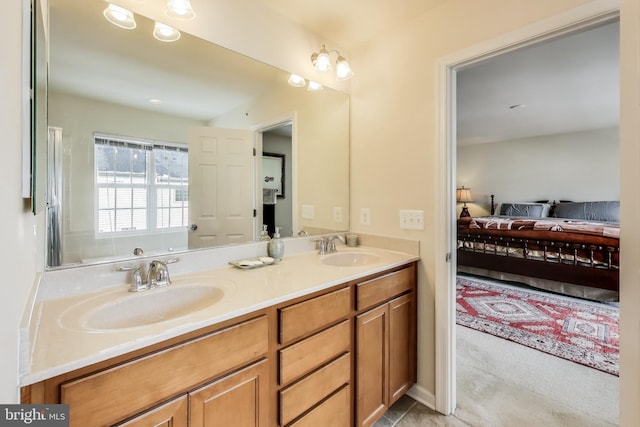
<point x="393" y="127"/>
<point x="630" y="214"/>
<point x="18" y="248"/>
<point x="578" y="166"/>
<point x="393" y="152"/>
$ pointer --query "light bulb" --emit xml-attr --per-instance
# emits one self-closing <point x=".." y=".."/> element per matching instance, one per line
<point x="314" y="86"/>
<point x="296" y="80"/>
<point x="120" y="17"/>
<point x="165" y="33"/>
<point x="180" y="9"/>
<point x="343" y="70"/>
<point x="321" y="61"/>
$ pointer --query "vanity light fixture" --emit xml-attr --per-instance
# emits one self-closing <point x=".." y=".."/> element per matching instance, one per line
<point x="296" y="80"/>
<point x="322" y="62"/>
<point x="165" y="33"/>
<point x="180" y="9"/>
<point x="120" y="17"/>
<point x="314" y="86"/>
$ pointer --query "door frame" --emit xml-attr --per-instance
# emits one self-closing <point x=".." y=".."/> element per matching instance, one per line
<point x="260" y="128"/>
<point x="587" y="15"/>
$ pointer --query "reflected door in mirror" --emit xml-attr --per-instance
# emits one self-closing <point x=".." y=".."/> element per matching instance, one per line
<point x="221" y="197"/>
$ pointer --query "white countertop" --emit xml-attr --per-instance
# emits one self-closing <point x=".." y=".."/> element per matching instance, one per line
<point x="55" y="348"/>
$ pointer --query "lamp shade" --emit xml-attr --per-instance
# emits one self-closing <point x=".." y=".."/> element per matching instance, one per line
<point x="463" y="195"/>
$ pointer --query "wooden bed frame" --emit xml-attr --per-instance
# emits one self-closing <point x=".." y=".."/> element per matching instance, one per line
<point x="570" y="260"/>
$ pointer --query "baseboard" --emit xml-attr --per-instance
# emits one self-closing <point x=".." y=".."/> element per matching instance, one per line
<point x="422" y="395"/>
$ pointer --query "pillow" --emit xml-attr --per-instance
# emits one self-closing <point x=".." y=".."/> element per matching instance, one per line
<point x="589" y="211"/>
<point x="529" y="210"/>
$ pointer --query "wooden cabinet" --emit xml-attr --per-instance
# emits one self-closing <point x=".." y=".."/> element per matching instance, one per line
<point x="138" y="384"/>
<point x="238" y="400"/>
<point x="171" y="414"/>
<point x="385" y="344"/>
<point x="337" y="358"/>
<point x="315" y="362"/>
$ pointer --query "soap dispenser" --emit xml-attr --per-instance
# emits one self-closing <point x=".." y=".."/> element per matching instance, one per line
<point x="264" y="235"/>
<point x="275" y="248"/>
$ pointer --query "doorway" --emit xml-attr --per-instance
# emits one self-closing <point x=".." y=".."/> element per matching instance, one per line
<point x="445" y="272"/>
<point x="275" y="176"/>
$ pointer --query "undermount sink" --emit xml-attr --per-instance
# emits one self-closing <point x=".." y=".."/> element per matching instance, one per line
<point x="124" y="310"/>
<point x="348" y="259"/>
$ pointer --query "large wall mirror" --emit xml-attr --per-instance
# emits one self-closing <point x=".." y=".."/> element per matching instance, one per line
<point x="151" y="144"/>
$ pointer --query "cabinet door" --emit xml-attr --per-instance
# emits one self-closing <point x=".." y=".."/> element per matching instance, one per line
<point x="239" y="399"/>
<point x="171" y="414"/>
<point x="372" y="355"/>
<point x="401" y="347"/>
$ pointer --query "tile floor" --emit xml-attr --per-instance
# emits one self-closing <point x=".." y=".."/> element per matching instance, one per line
<point x="406" y="412"/>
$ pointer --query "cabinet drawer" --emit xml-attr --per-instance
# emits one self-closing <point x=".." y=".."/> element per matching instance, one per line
<point x="304" y="356"/>
<point x="299" y="397"/>
<point x="303" y="318"/>
<point x="136" y="385"/>
<point x="378" y="290"/>
<point x="334" y="412"/>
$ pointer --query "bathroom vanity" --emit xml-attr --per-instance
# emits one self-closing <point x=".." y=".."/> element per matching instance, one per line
<point x="312" y="340"/>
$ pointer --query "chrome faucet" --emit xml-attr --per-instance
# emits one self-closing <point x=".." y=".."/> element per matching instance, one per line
<point x="157" y="275"/>
<point x="327" y="245"/>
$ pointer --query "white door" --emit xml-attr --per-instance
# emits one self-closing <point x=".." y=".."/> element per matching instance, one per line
<point x="221" y="186"/>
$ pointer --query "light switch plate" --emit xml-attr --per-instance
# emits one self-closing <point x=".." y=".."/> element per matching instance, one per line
<point x="412" y="219"/>
<point x="308" y="212"/>
<point x="337" y="214"/>
<point x="365" y="216"/>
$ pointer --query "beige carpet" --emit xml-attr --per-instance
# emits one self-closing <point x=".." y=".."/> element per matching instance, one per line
<point x="505" y="384"/>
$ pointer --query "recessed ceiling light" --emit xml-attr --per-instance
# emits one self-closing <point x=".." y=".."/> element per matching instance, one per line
<point x="155" y="101"/>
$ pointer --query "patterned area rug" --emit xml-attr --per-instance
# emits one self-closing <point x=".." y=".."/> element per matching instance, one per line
<point x="581" y="331"/>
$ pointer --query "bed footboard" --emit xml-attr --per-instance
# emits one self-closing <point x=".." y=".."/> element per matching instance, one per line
<point x="573" y="258"/>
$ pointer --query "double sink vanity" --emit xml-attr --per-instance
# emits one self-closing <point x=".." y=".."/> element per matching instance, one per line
<point x="309" y="340"/>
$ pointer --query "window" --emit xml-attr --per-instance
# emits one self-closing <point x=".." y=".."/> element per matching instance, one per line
<point x="142" y="186"/>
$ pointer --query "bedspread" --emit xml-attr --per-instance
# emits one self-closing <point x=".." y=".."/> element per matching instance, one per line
<point x="604" y="229"/>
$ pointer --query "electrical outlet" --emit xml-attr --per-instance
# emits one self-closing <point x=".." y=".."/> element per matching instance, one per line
<point x="365" y="216"/>
<point x="412" y="219"/>
<point x="337" y="214"/>
<point x="308" y="212"/>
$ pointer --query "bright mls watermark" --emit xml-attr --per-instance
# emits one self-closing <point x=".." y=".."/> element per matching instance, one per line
<point x="34" y="415"/>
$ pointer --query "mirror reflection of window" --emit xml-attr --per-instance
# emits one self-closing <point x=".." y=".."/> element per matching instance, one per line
<point x="142" y="186"/>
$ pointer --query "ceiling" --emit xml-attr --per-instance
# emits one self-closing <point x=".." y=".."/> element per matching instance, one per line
<point x="566" y="85"/>
<point x="351" y="22"/>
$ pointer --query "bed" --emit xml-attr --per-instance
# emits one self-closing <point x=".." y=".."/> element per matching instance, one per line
<point x="570" y="248"/>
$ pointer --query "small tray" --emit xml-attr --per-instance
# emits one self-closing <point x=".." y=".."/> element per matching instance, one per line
<point x="249" y="263"/>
